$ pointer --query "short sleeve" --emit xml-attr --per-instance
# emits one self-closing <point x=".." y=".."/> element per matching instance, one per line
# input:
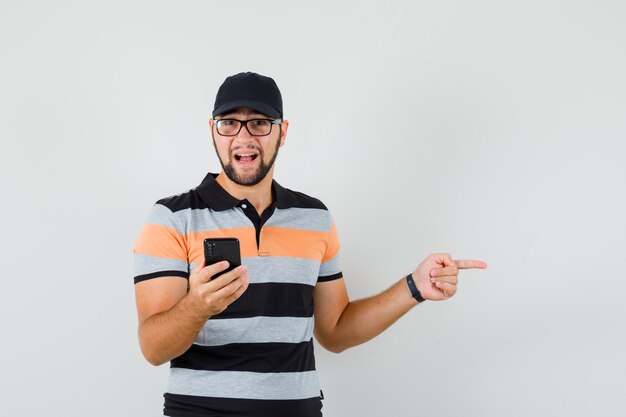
<point x="330" y="268"/>
<point x="160" y="249"/>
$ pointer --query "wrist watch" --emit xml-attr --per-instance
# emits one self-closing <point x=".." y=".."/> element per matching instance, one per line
<point x="414" y="291"/>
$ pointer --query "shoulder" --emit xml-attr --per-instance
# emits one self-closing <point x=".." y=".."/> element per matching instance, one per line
<point x="295" y="199"/>
<point x="310" y="212"/>
<point x="183" y="201"/>
<point x="302" y="200"/>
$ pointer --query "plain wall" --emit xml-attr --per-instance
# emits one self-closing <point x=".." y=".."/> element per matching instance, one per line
<point x="492" y="130"/>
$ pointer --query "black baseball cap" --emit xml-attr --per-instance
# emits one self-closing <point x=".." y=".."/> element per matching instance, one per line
<point x="249" y="89"/>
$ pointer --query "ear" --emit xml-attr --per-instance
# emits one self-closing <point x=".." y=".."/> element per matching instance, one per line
<point x="210" y="123"/>
<point x="283" y="134"/>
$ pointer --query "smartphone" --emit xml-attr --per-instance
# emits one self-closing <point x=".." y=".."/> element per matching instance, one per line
<point x="222" y="249"/>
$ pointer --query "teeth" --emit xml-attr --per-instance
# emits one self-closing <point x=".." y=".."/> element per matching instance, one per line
<point x="246" y="154"/>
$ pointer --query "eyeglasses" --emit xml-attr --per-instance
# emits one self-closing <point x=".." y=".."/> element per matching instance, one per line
<point x="256" y="127"/>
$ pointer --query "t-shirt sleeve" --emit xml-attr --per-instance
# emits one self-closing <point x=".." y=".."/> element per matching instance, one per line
<point x="330" y="268"/>
<point x="161" y="248"/>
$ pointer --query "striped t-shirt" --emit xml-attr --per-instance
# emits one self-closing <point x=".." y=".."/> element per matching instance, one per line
<point x="256" y="357"/>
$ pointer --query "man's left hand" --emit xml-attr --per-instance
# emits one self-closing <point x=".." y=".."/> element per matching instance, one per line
<point x="437" y="276"/>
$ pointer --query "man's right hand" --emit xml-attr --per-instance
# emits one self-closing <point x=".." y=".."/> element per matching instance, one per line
<point x="209" y="296"/>
<point x="172" y="310"/>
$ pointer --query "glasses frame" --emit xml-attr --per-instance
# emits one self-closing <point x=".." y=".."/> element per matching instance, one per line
<point x="243" y="123"/>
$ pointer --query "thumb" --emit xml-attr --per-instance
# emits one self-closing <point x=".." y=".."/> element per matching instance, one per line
<point x="444" y="259"/>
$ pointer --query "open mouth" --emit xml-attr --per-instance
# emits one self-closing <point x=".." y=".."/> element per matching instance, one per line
<point x="246" y="158"/>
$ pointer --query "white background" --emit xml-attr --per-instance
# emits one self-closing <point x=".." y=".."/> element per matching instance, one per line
<point x="492" y="130"/>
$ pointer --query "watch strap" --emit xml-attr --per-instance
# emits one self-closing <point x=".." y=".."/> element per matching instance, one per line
<point x="414" y="291"/>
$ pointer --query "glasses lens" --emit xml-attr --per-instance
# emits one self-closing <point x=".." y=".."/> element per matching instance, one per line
<point x="228" y="127"/>
<point x="259" y="127"/>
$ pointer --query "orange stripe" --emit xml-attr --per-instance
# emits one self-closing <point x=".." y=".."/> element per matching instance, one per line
<point x="282" y="241"/>
<point x="333" y="244"/>
<point x="163" y="241"/>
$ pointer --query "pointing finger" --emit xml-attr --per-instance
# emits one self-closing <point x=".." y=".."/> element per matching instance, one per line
<point x="470" y="264"/>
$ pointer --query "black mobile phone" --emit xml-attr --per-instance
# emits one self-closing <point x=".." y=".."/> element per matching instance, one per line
<point x="222" y="249"/>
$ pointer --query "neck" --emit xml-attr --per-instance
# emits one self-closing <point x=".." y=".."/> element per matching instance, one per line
<point x="259" y="195"/>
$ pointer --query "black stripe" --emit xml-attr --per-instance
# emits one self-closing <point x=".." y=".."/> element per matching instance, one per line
<point x="195" y="406"/>
<point x="209" y="194"/>
<point x="159" y="274"/>
<point x="330" y="277"/>
<point x="249" y="357"/>
<point x="188" y="200"/>
<point x="287" y="198"/>
<point x="272" y="300"/>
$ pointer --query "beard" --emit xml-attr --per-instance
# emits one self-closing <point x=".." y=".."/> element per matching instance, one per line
<point x="253" y="178"/>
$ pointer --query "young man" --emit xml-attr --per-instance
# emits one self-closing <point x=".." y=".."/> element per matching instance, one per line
<point x="241" y="344"/>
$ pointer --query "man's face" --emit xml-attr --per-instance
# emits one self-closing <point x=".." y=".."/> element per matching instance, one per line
<point x="247" y="159"/>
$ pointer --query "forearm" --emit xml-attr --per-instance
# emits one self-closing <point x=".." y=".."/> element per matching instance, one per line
<point x="169" y="334"/>
<point x="366" y="318"/>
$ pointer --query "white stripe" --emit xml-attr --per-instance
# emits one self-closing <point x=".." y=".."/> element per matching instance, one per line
<point x="282" y="269"/>
<point x="205" y="220"/>
<point x="248" y="385"/>
<point x="301" y="218"/>
<point x="145" y="264"/>
<point x="198" y="220"/>
<point x="330" y="267"/>
<point x="163" y="216"/>
<point x="259" y="329"/>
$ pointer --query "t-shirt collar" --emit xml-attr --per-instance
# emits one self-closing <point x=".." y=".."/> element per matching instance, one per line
<point x="219" y="200"/>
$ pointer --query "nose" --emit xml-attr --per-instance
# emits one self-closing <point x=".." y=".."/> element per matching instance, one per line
<point x="244" y="137"/>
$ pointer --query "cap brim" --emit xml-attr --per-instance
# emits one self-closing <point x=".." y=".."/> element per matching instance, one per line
<point x="254" y="105"/>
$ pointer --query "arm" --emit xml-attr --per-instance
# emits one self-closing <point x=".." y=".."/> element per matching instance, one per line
<point x="341" y="324"/>
<point x="170" y="316"/>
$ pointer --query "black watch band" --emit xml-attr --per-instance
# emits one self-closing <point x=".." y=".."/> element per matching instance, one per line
<point x="414" y="291"/>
